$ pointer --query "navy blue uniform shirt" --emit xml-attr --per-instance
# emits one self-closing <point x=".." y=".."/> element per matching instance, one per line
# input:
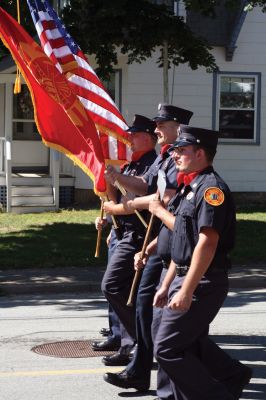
<point x="136" y="168"/>
<point x="167" y="164"/>
<point x="164" y="243"/>
<point x="206" y="202"/>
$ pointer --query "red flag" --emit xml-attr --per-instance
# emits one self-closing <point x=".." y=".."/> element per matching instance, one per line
<point x="61" y="119"/>
<point x="64" y="52"/>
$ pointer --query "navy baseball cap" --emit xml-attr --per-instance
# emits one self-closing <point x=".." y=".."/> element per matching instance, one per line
<point x="189" y="135"/>
<point x="167" y="112"/>
<point x="142" y="124"/>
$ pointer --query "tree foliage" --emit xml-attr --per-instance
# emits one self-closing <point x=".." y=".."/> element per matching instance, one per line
<point x="137" y="28"/>
<point x="26" y="21"/>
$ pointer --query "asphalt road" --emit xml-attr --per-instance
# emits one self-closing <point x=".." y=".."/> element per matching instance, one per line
<point x="27" y="321"/>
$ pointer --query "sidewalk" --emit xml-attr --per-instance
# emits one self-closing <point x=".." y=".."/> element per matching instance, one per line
<point x="74" y="279"/>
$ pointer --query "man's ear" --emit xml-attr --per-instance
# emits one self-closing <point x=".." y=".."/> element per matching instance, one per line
<point x="200" y="153"/>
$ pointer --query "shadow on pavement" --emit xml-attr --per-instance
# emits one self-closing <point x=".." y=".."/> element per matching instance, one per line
<point x="252" y="351"/>
<point x="242" y="297"/>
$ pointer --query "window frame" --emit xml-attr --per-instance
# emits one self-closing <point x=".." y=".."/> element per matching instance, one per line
<point x="34" y="138"/>
<point x="118" y="88"/>
<point x="257" y="105"/>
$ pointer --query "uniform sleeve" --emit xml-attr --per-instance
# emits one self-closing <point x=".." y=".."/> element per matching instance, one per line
<point x="149" y="173"/>
<point x="171" y="175"/>
<point x="151" y="177"/>
<point x="212" y="209"/>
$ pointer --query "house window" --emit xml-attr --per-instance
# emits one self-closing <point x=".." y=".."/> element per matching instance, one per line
<point x="113" y="87"/>
<point x="237" y="107"/>
<point x="24" y="127"/>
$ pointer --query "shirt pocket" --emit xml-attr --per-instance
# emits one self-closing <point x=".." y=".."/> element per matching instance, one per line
<point x="188" y="216"/>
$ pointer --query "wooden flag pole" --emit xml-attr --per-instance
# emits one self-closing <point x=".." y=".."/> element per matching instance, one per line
<point x="161" y="183"/>
<point x="99" y="235"/>
<point x="124" y="192"/>
<point x="137" y="275"/>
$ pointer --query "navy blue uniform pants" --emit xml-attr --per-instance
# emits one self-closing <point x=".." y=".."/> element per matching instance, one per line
<point x="182" y="339"/>
<point x="114" y="323"/>
<point x="118" y="278"/>
<point x="142" y="362"/>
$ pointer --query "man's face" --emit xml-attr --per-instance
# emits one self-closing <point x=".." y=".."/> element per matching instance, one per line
<point x="166" y="132"/>
<point x="186" y="159"/>
<point x="138" y="141"/>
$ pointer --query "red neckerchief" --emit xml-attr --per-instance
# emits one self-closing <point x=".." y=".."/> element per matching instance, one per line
<point x="164" y="148"/>
<point x="136" y="155"/>
<point x="186" y="178"/>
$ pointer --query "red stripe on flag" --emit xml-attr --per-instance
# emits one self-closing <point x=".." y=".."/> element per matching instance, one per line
<point x="105" y="145"/>
<point x="48" y="25"/>
<point x="66" y="59"/>
<point x="94" y="98"/>
<point x="122" y="151"/>
<point x="57" y="43"/>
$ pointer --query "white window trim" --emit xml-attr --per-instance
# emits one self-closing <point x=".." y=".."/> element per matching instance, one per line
<point x="118" y="87"/>
<point x="15" y="120"/>
<point x="257" y="105"/>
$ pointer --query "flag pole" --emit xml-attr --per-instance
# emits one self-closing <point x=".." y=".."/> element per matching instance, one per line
<point x="138" y="272"/>
<point x="99" y="235"/>
<point x="161" y="184"/>
<point x="124" y="192"/>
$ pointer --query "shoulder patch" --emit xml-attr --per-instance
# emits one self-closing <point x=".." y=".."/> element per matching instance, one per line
<point x="214" y="196"/>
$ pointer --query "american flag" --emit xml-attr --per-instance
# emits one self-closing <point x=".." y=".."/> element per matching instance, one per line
<point x="67" y="56"/>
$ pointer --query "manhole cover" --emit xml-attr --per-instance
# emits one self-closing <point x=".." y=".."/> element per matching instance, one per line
<point x="70" y="349"/>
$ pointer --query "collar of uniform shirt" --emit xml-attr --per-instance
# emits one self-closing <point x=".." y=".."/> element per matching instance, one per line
<point x="186" y="179"/>
<point x="164" y="149"/>
<point x="136" y="155"/>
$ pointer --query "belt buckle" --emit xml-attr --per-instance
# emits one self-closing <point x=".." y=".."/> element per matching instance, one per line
<point x="181" y="270"/>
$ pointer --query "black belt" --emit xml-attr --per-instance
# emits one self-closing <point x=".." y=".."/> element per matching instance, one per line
<point x="181" y="270"/>
<point x="165" y="264"/>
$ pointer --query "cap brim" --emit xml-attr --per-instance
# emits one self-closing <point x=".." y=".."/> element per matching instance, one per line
<point x="181" y="143"/>
<point x="133" y="129"/>
<point x="158" y="119"/>
<point x="136" y="130"/>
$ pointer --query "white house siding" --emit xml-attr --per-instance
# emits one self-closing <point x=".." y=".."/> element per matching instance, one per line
<point x="82" y="181"/>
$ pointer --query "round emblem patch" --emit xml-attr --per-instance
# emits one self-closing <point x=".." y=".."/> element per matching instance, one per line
<point x="214" y="196"/>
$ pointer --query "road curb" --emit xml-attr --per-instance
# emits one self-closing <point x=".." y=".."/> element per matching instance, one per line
<point x="77" y="287"/>
<point x="88" y="280"/>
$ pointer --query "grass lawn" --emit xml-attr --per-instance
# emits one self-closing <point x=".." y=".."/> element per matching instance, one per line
<point x="251" y="236"/>
<point x="68" y="238"/>
<point x="64" y="238"/>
